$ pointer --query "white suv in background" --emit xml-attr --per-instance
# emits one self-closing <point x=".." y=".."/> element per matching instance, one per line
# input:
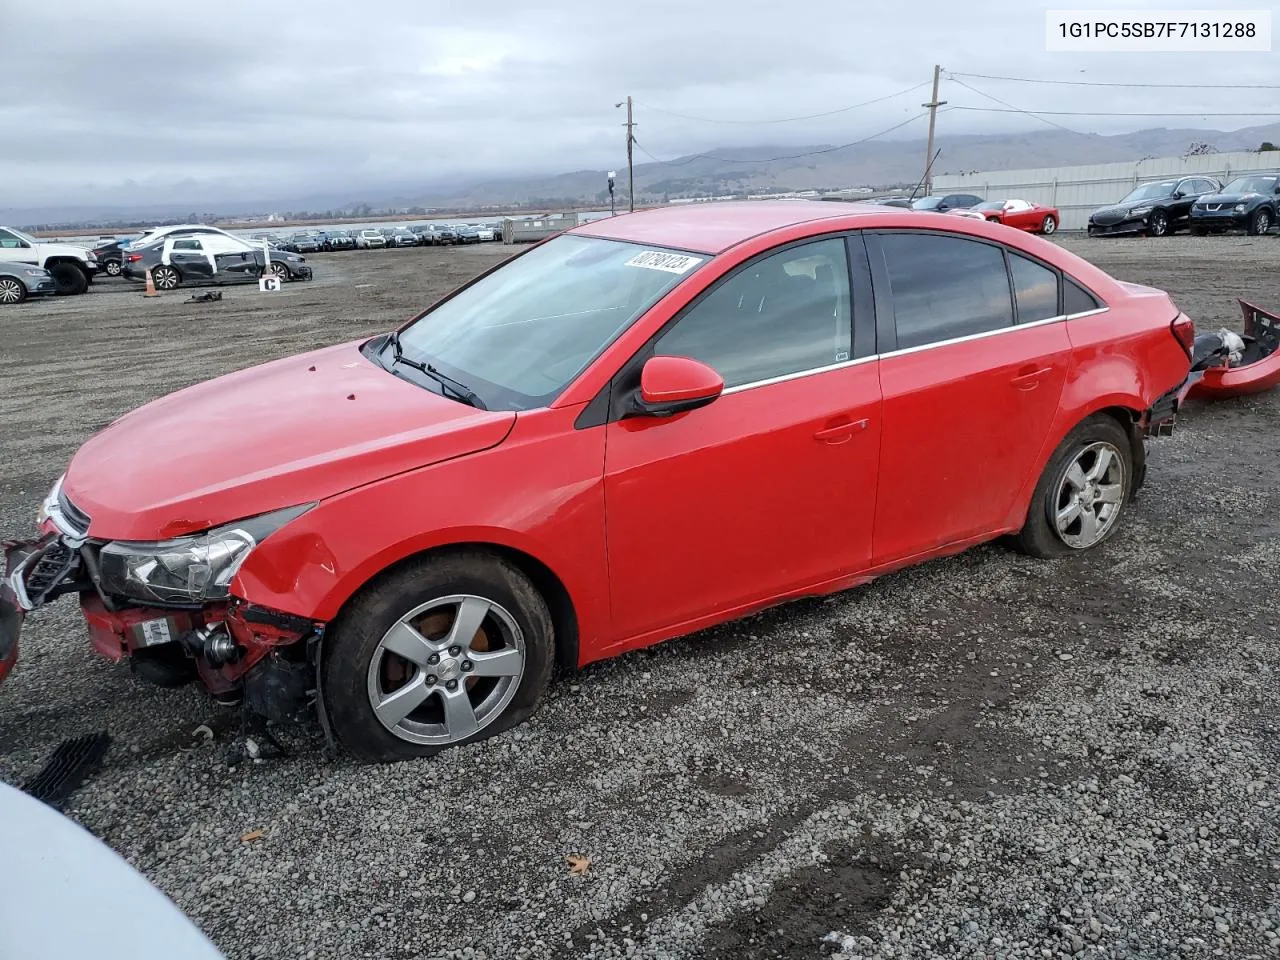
<point x="72" y="267"/>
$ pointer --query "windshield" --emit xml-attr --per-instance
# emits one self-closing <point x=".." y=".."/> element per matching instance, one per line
<point x="1251" y="185"/>
<point x="926" y="203"/>
<point x="520" y="335"/>
<point x="1149" y="191"/>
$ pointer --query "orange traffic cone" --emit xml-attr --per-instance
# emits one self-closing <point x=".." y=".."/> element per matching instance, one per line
<point x="151" y="286"/>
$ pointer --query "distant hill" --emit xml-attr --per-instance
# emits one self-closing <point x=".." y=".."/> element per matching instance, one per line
<point x="880" y="163"/>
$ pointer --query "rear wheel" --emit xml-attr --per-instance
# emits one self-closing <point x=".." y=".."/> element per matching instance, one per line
<point x="1049" y="225"/>
<point x="1158" y="224"/>
<point x="69" y="279"/>
<point x="1260" y="222"/>
<point x="12" y="290"/>
<point x="441" y="652"/>
<point x="165" y="277"/>
<point x="1082" y="492"/>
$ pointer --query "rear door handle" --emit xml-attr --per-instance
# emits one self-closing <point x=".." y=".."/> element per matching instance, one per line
<point x="1029" y="381"/>
<point x="840" y="432"/>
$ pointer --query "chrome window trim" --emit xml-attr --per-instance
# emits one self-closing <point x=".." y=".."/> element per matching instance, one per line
<point x="813" y="371"/>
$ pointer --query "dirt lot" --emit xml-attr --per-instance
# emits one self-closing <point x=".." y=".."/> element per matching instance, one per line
<point x="984" y="756"/>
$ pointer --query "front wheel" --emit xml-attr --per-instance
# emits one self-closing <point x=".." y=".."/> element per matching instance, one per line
<point x="1158" y="224"/>
<point x="1049" y="225"/>
<point x="69" y="280"/>
<point x="11" y="291"/>
<point x="1082" y="492"/>
<point x="112" y="267"/>
<point x="1260" y="222"/>
<point x="280" y="270"/>
<point x="441" y="652"/>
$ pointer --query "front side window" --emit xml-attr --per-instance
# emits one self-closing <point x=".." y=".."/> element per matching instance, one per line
<point x="1035" y="288"/>
<point x="945" y="287"/>
<point x="9" y="240"/>
<point x="781" y="314"/>
<point x="518" y="336"/>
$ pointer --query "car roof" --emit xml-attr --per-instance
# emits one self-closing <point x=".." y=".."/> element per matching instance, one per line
<point x="715" y="227"/>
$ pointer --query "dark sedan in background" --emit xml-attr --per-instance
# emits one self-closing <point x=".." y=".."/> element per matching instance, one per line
<point x="1250" y="203"/>
<point x="108" y="252"/>
<point x="1158" y="208"/>
<point x="209" y="259"/>
<point x="338" y="240"/>
<point x="305" y="243"/>
<point x="21" y="280"/>
<point x="943" y="203"/>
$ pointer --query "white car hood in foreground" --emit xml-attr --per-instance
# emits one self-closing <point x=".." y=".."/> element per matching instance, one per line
<point x="64" y="894"/>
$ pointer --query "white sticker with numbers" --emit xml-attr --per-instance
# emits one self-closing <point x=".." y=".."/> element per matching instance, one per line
<point x="155" y="632"/>
<point x="667" y="262"/>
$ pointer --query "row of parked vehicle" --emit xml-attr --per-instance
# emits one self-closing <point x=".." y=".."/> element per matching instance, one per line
<point x="1199" y="204"/>
<point x="381" y="238"/>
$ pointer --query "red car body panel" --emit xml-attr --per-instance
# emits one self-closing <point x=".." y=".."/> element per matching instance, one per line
<point x="1256" y="376"/>
<point x="654" y="527"/>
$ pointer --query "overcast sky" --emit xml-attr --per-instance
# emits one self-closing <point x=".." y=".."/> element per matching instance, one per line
<point x="106" y="100"/>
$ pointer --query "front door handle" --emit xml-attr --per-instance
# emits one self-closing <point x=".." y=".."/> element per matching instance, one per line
<point x="840" y="432"/>
<point x="1029" y="381"/>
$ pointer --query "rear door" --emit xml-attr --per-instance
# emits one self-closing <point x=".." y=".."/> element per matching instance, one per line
<point x="971" y="379"/>
<point x="189" y="256"/>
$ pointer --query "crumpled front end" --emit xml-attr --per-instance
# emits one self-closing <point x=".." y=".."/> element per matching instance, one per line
<point x="238" y="651"/>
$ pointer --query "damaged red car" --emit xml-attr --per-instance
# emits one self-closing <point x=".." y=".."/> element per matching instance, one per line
<point x="642" y="427"/>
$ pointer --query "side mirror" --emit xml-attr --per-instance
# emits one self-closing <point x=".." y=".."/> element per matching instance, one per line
<point x="671" y="385"/>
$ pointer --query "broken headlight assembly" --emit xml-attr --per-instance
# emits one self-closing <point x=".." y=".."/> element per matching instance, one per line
<point x="192" y="569"/>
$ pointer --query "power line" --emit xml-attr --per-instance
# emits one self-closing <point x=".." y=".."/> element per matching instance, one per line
<point x="1052" y="123"/>
<point x="792" y="156"/>
<point x="1104" y="113"/>
<point x="1104" y="83"/>
<point x="810" y="116"/>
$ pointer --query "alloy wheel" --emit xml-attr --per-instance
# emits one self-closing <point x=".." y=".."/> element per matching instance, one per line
<point x="446" y="670"/>
<point x="280" y="270"/>
<point x="113" y="268"/>
<point x="1090" y="495"/>
<point x="165" y="278"/>
<point x="1158" y="225"/>
<point x="11" y="290"/>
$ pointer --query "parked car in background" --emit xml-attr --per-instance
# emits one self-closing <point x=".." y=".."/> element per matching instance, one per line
<point x="1020" y="214"/>
<point x="1250" y="203"/>
<point x="73" y="267"/>
<point x="306" y="242"/>
<point x="107" y="250"/>
<point x="271" y="239"/>
<point x="897" y="201"/>
<point x="67" y="894"/>
<point x="18" y="281"/>
<point x="466" y="233"/>
<point x="425" y="233"/>
<point x="484" y="232"/>
<point x="944" y="202"/>
<point x="339" y="240"/>
<point x="403" y="237"/>
<point x="445" y="233"/>
<point x="1158" y="208"/>
<point x="370" y="239"/>
<point x="207" y="258"/>
<point x="659" y="356"/>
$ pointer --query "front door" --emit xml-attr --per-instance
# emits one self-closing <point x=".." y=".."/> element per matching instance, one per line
<point x="769" y="488"/>
<point x="969" y="394"/>
<point x="13" y="249"/>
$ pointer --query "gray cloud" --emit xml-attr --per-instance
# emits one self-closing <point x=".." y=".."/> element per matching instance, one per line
<point x="210" y="101"/>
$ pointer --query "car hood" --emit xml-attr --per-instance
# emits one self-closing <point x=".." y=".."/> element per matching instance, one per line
<point x="62" y="250"/>
<point x="1232" y="198"/>
<point x="286" y="432"/>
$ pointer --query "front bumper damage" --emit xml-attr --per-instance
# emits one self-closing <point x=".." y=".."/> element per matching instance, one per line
<point x="239" y="652"/>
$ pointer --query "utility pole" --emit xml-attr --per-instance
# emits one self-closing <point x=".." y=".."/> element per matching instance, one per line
<point x="631" y="175"/>
<point x="933" y="105"/>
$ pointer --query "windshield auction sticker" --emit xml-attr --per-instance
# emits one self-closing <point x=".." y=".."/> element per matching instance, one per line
<point x="661" y="260"/>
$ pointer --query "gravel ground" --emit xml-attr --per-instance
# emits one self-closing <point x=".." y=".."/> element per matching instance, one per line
<point x="985" y="756"/>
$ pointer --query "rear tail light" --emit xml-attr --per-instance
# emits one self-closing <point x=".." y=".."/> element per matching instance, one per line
<point x="134" y="257"/>
<point x="1184" y="329"/>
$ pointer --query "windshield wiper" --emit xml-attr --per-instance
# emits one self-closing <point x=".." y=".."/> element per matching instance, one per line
<point x="459" y="389"/>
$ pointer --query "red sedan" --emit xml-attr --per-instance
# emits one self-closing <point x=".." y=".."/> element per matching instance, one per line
<point x="1020" y="214"/>
<point x="642" y="427"/>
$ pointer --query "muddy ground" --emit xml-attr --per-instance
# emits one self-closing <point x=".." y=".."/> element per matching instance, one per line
<point x="984" y="756"/>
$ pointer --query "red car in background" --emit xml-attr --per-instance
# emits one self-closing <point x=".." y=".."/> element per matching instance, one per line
<point x="644" y="426"/>
<point x="1020" y="214"/>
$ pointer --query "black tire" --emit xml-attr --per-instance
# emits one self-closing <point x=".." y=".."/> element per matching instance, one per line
<point x="1199" y="232"/>
<point x="70" y="280"/>
<point x="1261" y="221"/>
<point x="165" y="277"/>
<point x="281" y="270"/>
<point x="1049" y="225"/>
<point x="353" y="640"/>
<point x="12" y="291"/>
<point x="1158" y="224"/>
<point x="1039" y="535"/>
<point x="112" y="267"/>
